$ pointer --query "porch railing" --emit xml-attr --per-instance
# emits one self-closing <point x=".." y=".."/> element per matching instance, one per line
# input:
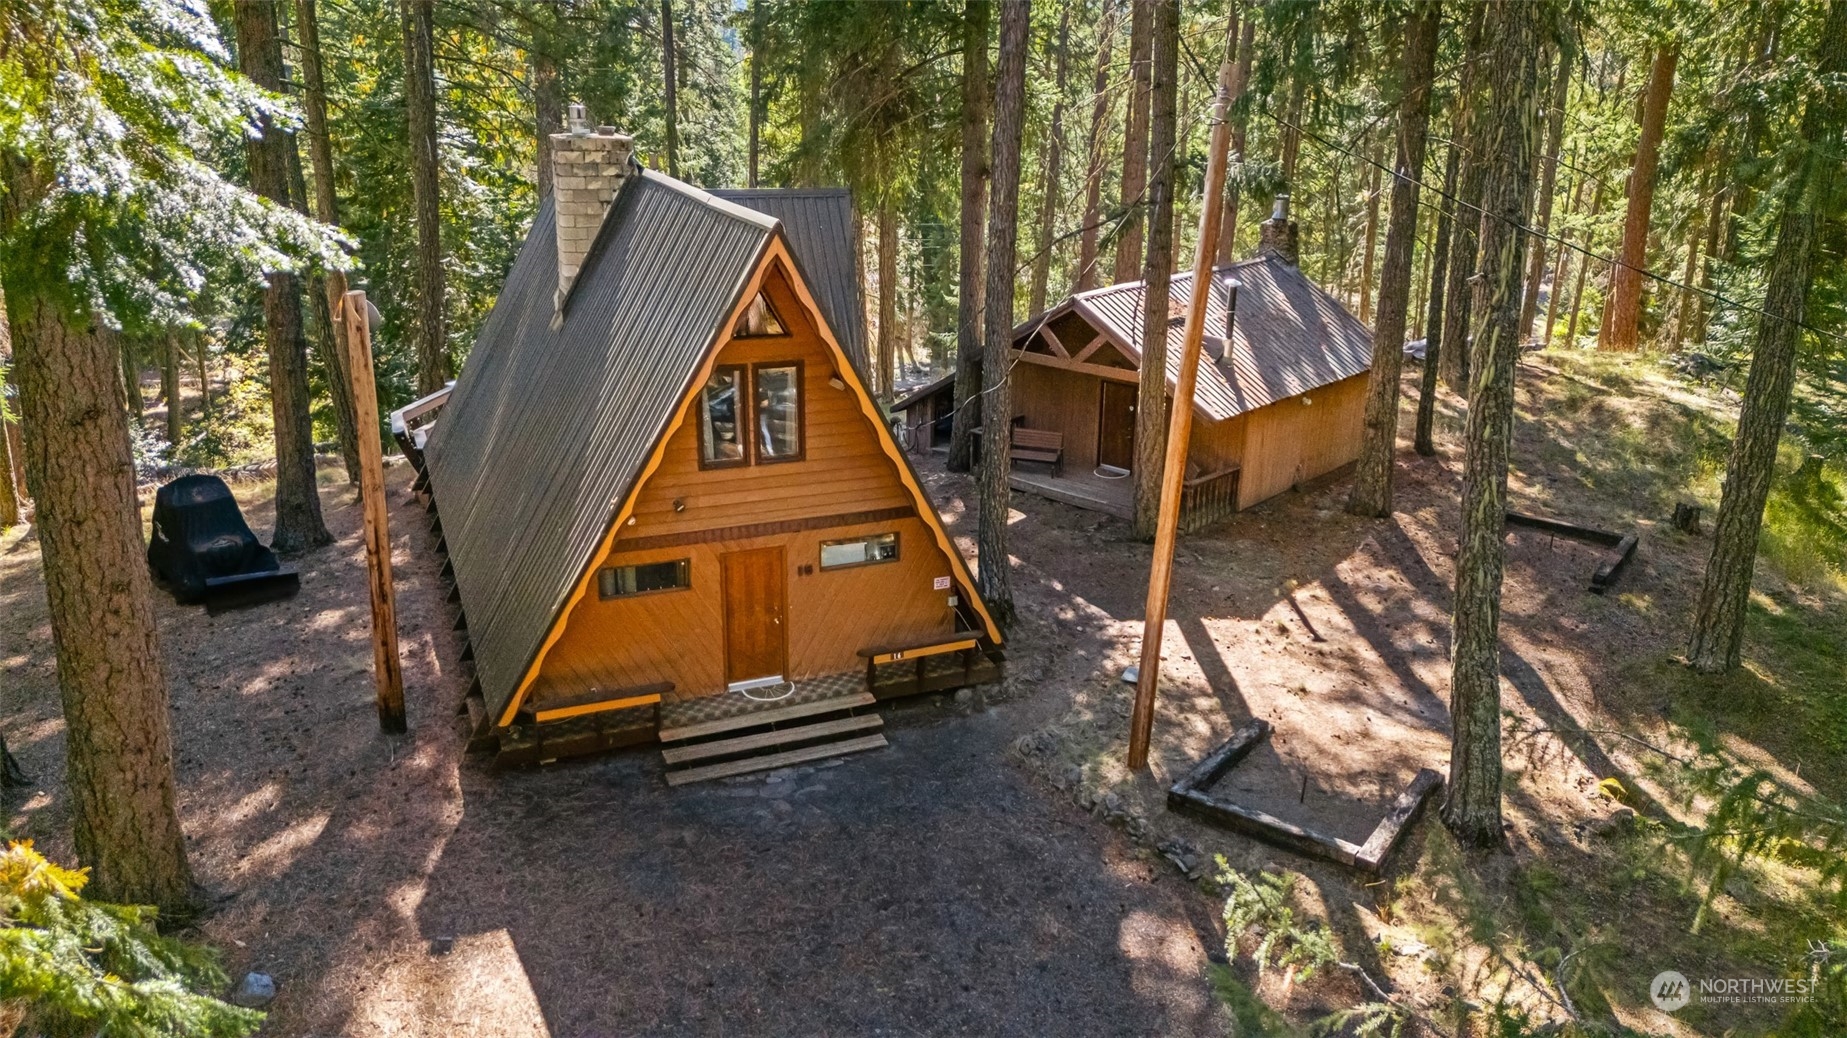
<point x="1207" y="499"/>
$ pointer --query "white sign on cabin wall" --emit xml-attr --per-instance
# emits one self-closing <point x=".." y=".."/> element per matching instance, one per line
<point x="941" y="584"/>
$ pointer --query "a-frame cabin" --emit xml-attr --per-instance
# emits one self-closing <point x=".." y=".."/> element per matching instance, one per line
<point x="669" y="501"/>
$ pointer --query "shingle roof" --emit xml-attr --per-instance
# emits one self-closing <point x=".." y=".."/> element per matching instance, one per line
<point x="547" y="429"/>
<point x="819" y="223"/>
<point x="1290" y="337"/>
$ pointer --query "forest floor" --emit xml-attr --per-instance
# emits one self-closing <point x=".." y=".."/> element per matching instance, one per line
<point x="997" y="871"/>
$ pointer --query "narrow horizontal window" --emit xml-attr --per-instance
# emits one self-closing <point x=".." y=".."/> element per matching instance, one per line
<point x="722" y="424"/>
<point x="860" y="551"/>
<point x="618" y="581"/>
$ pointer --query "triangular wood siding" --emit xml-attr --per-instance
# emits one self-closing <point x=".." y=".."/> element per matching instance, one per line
<point x="851" y="481"/>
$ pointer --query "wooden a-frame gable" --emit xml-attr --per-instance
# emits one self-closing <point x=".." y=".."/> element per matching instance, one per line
<point x="774" y="269"/>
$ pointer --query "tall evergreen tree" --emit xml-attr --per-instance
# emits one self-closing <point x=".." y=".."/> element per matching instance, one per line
<point x="1372" y="479"/>
<point x="969" y="284"/>
<point x="298" y="503"/>
<point x="996" y="577"/>
<point x="1151" y="394"/>
<point x="1509" y="141"/>
<point x="1622" y="314"/>
<point x="433" y="365"/>
<point x="1135" y="142"/>
<point x="1465" y="227"/>
<point x="1423" y="438"/>
<point x="1813" y="189"/>
<point x="1058" y="43"/>
<point x="1098" y="150"/>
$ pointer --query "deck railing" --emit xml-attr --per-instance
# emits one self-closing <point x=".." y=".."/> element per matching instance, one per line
<point x="1207" y="499"/>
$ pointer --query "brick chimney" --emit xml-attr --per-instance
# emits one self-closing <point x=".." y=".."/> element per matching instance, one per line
<point x="1279" y="235"/>
<point x="587" y="168"/>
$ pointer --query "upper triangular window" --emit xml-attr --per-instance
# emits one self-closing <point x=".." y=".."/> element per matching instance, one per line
<point x="759" y="319"/>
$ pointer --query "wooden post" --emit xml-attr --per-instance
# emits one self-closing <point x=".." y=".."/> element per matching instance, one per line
<point x="1180" y="426"/>
<point x="386" y="671"/>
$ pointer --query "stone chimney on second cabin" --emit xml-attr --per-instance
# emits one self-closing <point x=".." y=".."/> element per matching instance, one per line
<point x="1278" y="236"/>
<point x="588" y="166"/>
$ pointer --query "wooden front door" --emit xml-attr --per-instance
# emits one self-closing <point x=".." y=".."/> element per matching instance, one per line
<point x="1116" y="425"/>
<point x="756" y="641"/>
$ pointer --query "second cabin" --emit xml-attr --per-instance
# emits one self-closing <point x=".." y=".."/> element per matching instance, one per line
<point x="1279" y="401"/>
<point x="667" y="498"/>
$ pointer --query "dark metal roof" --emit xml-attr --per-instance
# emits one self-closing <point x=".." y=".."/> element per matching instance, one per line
<point x="548" y="428"/>
<point x="1291" y="336"/>
<point x="822" y="235"/>
<point x="947" y="380"/>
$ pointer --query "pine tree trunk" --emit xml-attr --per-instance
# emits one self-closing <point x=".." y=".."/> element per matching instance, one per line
<point x="548" y="96"/>
<point x="1465" y="227"/>
<point x="888" y="298"/>
<point x="1423" y="439"/>
<point x="670" y="73"/>
<point x="1718" y="625"/>
<point x="1054" y="169"/>
<point x="330" y="285"/>
<point x="1240" y="127"/>
<point x="1590" y="240"/>
<point x="1151" y="395"/>
<point x="433" y="367"/>
<point x="131" y="372"/>
<point x="1561" y="266"/>
<point x="1621" y="326"/>
<point x="995" y="571"/>
<point x="1087" y="258"/>
<point x="10" y="489"/>
<point x="119" y="750"/>
<point x="298" y="504"/>
<point x="1372" y="478"/>
<point x="170" y="383"/>
<point x="969" y="282"/>
<point x="1372" y="242"/>
<point x="1135" y="143"/>
<point x="1548" y="179"/>
<point x="754" y="147"/>
<point x="1472" y="808"/>
<point x="205" y="381"/>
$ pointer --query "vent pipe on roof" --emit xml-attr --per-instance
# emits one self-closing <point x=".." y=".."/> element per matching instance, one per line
<point x="587" y="168"/>
<point x="1231" y="308"/>
<point x="1278" y="236"/>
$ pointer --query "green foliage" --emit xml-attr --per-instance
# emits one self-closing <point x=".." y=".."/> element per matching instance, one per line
<point x="1261" y="912"/>
<point x="1755" y="817"/>
<point x="87" y="968"/>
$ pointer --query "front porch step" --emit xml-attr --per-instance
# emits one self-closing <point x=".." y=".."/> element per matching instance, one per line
<point x="747" y="719"/>
<point x="772" y="761"/>
<point x="763" y="740"/>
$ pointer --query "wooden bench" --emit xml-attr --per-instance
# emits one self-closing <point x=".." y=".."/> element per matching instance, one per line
<point x="1038" y="445"/>
<point x="595" y="701"/>
<point x="965" y="645"/>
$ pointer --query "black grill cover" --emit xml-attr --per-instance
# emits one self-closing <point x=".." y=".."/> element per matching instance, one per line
<point x="199" y="535"/>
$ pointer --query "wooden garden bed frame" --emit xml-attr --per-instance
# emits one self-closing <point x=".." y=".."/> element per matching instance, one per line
<point x="1189" y="796"/>
<point x="1610" y="568"/>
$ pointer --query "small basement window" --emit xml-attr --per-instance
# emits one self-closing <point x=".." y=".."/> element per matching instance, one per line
<point x="759" y="320"/>
<point x="621" y="581"/>
<point x="721" y="419"/>
<point x="859" y="551"/>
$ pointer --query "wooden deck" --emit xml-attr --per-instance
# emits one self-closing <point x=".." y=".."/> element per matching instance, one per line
<point x="1079" y="487"/>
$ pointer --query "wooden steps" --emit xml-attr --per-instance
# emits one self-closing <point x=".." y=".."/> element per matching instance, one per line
<point x="766" y="739"/>
<point x="776" y="760"/>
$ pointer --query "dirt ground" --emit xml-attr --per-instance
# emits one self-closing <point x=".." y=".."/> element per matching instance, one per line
<point x="996" y="871"/>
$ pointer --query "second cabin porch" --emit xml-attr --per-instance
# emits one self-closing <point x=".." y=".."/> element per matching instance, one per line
<point x="1204" y="499"/>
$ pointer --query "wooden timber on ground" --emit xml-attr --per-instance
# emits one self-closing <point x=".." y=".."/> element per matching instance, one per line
<point x="1190" y="796"/>
<point x="1610" y="568"/>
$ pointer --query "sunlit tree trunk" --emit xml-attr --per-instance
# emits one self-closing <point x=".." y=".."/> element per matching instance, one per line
<point x="1372" y="240"/>
<point x="670" y="74"/>
<point x="1054" y="169"/>
<point x="1135" y="143"/>
<point x="1718" y="624"/>
<point x="1465" y="227"/>
<point x="1590" y="241"/>
<point x="754" y="147"/>
<point x="1240" y="127"/>
<point x="433" y="367"/>
<point x="1622" y="323"/>
<point x="1291" y="139"/>
<point x="9" y="485"/>
<point x="1372" y="478"/>
<point x="1472" y="807"/>
<point x="170" y="383"/>
<point x="329" y="284"/>
<point x="131" y="371"/>
<point x="888" y="297"/>
<point x="1548" y="180"/>
<point x="118" y="745"/>
<point x="1003" y="224"/>
<point x="969" y="283"/>
<point x="1087" y="258"/>
<point x="547" y="94"/>
<point x="1151" y="394"/>
<point x="1423" y="439"/>
<point x="298" y="504"/>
